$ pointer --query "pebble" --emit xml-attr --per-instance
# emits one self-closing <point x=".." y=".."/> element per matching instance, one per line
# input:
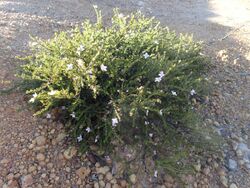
<point x="101" y="184"/>
<point x="60" y="137"/>
<point x="206" y="171"/>
<point x="233" y="185"/>
<point x="4" y="161"/>
<point x="197" y="167"/>
<point x="232" y="164"/>
<point x="224" y="181"/>
<point x="133" y="178"/>
<point x="40" y="157"/>
<point x="109" y="176"/>
<point x="102" y="170"/>
<point x="40" y="140"/>
<point x="26" y="181"/>
<point x="31" y="169"/>
<point x="108" y="185"/>
<point x="123" y="183"/>
<point x="70" y="152"/>
<point x="83" y="172"/>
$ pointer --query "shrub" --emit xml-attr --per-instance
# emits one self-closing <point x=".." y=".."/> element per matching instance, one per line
<point x="131" y="82"/>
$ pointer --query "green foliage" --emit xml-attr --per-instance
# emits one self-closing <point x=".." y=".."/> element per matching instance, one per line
<point x="132" y="82"/>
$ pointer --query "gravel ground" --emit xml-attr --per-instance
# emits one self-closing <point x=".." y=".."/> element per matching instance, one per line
<point x="34" y="151"/>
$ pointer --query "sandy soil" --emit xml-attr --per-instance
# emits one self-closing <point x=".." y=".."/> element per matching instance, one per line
<point x="223" y="25"/>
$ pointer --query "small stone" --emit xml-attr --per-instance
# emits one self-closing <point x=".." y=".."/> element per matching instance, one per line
<point x="10" y="176"/>
<point x="224" y="181"/>
<point x="4" y="161"/>
<point x="70" y="152"/>
<point x="123" y="183"/>
<point x="221" y="172"/>
<point x="241" y="162"/>
<point x="67" y="169"/>
<point x="108" y="185"/>
<point x="168" y="179"/>
<point x="31" y="146"/>
<point x="115" y="186"/>
<point x="133" y="178"/>
<point x="248" y="166"/>
<point x="215" y="164"/>
<point x="96" y="185"/>
<point x="233" y="185"/>
<point x="113" y="181"/>
<point x="31" y="169"/>
<point x="40" y="140"/>
<point x="101" y="184"/>
<point x="239" y="153"/>
<point x="83" y="172"/>
<point x="12" y="184"/>
<point x="60" y="137"/>
<point x="40" y="157"/>
<point x="26" y="181"/>
<point x="43" y="175"/>
<point x="102" y="170"/>
<point x="197" y="167"/>
<point x="206" y="171"/>
<point x="232" y="164"/>
<point x="109" y="176"/>
<point x="50" y="165"/>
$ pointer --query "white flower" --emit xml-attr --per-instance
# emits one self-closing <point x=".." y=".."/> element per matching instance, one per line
<point x="48" y="116"/>
<point x="88" y="129"/>
<point x="80" y="62"/>
<point x="154" y="152"/>
<point x="114" y="122"/>
<point x="80" y="49"/>
<point x="103" y="68"/>
<point x="53" y="92"/>
<point x="147" y="112"/>
<point x="161" y="74"/>
<point x="156" y="42"/>
<point x="146" y="55"/>
<point x="160" y="112"/>
<point x="31" y="44"/>
<point x="151" y="134"/>
<point x="95" y="6"/>
<point x="120" y="15"/>
<point x="192" y="92"/>
<point x="107" y="157"/>
<point x="174" y="93"/>
<point x="33" y="98"/>
<point x="96" y="138"/>
<point x="146" y="123"/>
<point x="158" y="79"/>
<point x="73" y="115"/>
<point x="70" y="66"/>
<point x="156" y="173"/>
<point x="79" y="138"/>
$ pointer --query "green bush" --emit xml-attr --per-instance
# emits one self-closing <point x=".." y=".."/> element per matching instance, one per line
<point x="131" y="82"/>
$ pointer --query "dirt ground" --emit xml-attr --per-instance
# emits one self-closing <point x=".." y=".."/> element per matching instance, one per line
<point x="31" y="149"/>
